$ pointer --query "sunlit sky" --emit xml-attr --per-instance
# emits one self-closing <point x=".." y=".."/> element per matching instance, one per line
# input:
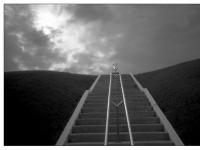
<point x="90" y="38"/>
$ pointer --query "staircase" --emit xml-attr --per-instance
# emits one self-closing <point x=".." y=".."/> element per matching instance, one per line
<point x="118" y="111"/>
<point x="146" y="126"/>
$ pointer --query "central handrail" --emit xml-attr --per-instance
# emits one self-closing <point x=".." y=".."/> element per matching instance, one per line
<point x="127" y="116"/>
<point x="107" y="115"/>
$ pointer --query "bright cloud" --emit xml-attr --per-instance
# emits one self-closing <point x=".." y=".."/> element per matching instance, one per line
<point x="70" y="39"/>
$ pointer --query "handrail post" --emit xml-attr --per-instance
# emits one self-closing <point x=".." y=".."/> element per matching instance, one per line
<point x="107" y="115"/>
<point x="126" y="111"/>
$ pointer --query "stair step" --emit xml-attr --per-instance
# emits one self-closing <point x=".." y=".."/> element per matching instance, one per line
<point x="103" y="114"/>
<point x="99" y="137"/>
<point x="154" y="143"/>
<point x="97" y="115"/>
<point x="142" y="95"/>
<point x="92" y="103"/>
<point x="125" y="143"/>
<point x="143" y="103"/>
<point x="97" y="121"/>
<point x="99" y="144"/>
<point x="106" y="100"/>
<point x="133" y="108"/>
<point x="102" y="94"/>
<point x="97" y="96"/>
<point x="96" y="102"/>
<point x="122" y="128"/>
<point x="136" y="100"/>
<point x="98" y="99"/>
<point x="101" y="105"/>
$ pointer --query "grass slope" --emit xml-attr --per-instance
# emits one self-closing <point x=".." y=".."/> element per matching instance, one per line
<point x="177" y="91"/>
<point x="38" y="105"/>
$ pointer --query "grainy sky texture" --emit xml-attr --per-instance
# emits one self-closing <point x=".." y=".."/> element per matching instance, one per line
<point x="89" y="38"/>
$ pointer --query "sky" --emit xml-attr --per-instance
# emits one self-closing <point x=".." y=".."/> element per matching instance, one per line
<point x="88" y="39"/>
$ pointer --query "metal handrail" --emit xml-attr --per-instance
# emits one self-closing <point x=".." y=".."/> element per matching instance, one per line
<point x="127" y="116"/>
<point x="107" y="115"/>
<point x="137" y="83"/>
<point x="94" y="84"/>
<point x="117" y="105"/>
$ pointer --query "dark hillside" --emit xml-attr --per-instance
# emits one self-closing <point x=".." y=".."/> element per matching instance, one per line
<point x="38" y="104"/>
<point x="177" y="91"/>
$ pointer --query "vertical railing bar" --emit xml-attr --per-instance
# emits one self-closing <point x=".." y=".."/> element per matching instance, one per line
<point x="107" y="115"/>
<point x="126" y="111"/>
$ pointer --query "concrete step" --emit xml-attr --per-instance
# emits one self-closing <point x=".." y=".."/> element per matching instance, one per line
<point x="117" y="94"/>
<point x="96" y="96"/>
<point x="135" y="107"/>
<point x="103" y="106"/>
<point x="92" y="104"/>
<point x="137" y="103"/>
<point x="154" y="143"/>
<point x="116" y="90"/>
<point x="98" y="115"/>
<point x="125" y="143"/>
<point x="87" y="109"/>
<point x="137" y="136"/>
<point x="122" y="128"/>
<point x="133" y="94"/>
<point x="136" y="99"/>
<point x="96" y="101"/>
<point x="105" y="100"/>
<point x="102" y="94"/>
<point x="99" y="144"/>
<point x="136" y="114"/>
<point x="97" y="121"/>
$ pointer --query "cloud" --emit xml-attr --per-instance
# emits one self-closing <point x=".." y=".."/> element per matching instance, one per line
<point x="89" y="38"/>
<point x="32" y="43"/>
<point x="24" y="45"/>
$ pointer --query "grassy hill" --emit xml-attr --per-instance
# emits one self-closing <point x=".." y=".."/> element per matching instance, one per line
<point x="177" y="91"/>
<point x="38" y="104"/>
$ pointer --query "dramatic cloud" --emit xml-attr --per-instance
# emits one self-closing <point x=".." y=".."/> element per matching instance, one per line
<point x="89" y="38"/>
